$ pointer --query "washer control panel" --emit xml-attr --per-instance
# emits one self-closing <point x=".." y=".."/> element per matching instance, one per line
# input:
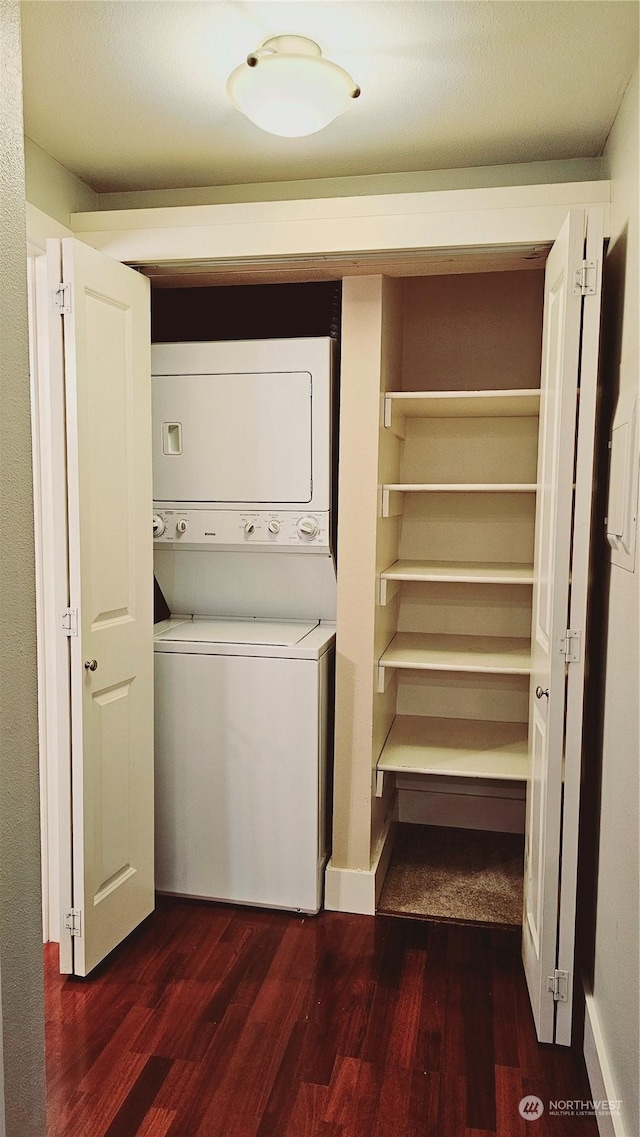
<point x="228" y="529"/>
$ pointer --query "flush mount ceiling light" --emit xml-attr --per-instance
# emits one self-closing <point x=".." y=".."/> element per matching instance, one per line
<point x="287" y="88"/>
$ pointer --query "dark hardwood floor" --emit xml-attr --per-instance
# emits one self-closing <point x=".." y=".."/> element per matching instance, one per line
<point x="214" y="1021"/>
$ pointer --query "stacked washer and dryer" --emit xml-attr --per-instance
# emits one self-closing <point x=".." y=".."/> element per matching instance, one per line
<point x="242" y="461"/>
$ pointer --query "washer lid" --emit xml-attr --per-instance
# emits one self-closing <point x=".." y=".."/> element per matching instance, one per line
<point x="240" y="630"/>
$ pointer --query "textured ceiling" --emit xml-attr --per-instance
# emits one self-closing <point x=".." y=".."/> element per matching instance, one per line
<point x="131" y="95"/>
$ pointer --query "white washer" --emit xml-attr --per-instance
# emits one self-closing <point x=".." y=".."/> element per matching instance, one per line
<point x="242" y="737"/>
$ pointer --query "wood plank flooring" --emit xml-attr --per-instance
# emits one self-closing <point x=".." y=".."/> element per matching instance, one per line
<point x="213" y="1021"/>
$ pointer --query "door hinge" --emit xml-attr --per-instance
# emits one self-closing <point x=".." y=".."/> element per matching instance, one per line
<point x="70" y="621"/>
<point x="570" y="645"/>
<point x="558" y="984"/>
<point x="586" y="278"/>
<point x="63" y="299"/>
<point x="73" y="922"/>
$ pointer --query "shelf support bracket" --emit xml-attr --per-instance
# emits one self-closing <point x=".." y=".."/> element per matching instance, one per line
<point x="379" y="783"/>
<point x="384" y="676"/>
<point x="398" y="426"/>
<point x="387" y="589"/>
<point x="391" y="503"/>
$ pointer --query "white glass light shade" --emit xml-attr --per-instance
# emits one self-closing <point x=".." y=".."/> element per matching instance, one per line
<point x="287" y="88"/>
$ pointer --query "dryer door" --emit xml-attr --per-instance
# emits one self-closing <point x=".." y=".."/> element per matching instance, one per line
<point x="233" y="439"/>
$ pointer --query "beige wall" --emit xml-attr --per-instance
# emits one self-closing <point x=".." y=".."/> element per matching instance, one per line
<point x="20" y="927"/>
<point x="616" y="965"/>
<point x="53" y="188"/>
<point x="473" y="332"/>
<point x="360" y="370"/>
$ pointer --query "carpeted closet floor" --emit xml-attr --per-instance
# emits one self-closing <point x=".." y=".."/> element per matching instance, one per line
<point x="455" y="874"/>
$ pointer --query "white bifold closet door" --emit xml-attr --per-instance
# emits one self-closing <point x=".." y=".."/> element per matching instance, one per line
<point x="565" y="462"/>
<point x="102" y="341"/>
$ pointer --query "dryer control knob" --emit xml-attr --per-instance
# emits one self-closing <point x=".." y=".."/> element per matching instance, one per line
<point x="274" y="526"/>
<point x="182" y="525"/>
<point x="249" y="528"/>
<point x="158" y="525"/>
<point x="308" y="528"/>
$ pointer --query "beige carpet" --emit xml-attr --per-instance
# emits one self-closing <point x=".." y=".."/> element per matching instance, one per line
<point x="455" y="874"/>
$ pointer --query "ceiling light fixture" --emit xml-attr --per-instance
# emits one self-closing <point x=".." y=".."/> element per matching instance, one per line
<point x="287" y="88"/>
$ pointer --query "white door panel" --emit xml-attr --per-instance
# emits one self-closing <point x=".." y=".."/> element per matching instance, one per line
<point x="108" y="399"/>
<point x="561" y="357"/>
<point x="559" y="383"/>
<point x="580" y="547"/>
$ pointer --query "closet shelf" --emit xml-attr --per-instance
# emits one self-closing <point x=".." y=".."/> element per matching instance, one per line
<point x="417" y="651"/>
<point x="392" y="501"/>
<point x="461" y="572"/>
<point x="400" y="405"/>
<point x="465" y="748"/>
<point x="461" y="487"/>
<point x="450" y="572"/>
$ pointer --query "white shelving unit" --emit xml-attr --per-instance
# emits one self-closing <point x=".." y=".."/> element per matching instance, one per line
<point x="460" y="487"/>
<point x="465" y="748"/>
<point x="479" y="443"/>
<point x="400" y="405"/>
<point x="481" y="434"/>
<point x="491" y="655"/>
<point x="392" y="502"/>
<point x="450" y="572"/>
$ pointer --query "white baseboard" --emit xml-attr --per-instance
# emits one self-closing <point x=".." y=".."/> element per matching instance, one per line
<point x="357" y="890"/>
<point x="599" y="1072"/>
<point x="383" y="852"/>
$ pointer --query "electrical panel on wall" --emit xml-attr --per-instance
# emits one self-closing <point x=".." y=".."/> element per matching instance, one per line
<point x="622" y="508"/>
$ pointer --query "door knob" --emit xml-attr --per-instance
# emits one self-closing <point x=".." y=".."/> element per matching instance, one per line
<point x="539" y="691"/>
<point x="91" y="664"/>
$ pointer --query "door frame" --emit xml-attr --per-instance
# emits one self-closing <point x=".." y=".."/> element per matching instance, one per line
<point x="52" y="593"/>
